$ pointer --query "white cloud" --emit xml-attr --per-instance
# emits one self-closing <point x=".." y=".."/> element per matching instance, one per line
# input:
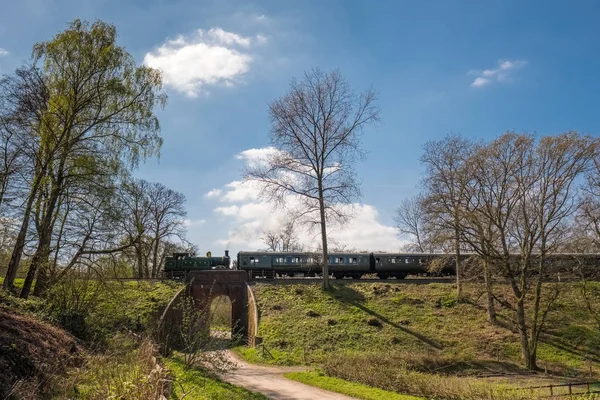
<point x="3" y="52"/>
<point x="479" y="81"/>
<point x="250" y="216"/>
<point x="502" y="73"/>
<point x="255" y="157"/>
<point x="207" y="58"/>
<point x="194" y="222"/>
<point x="213" y="193"/>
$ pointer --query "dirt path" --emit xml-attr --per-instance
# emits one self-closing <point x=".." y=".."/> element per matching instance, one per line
<point x="271" y="382"/>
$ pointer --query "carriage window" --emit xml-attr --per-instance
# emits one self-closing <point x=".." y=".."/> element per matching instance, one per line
<point x="393" y="260"/>
<point x="378" y="260"/>
<point x="354" y="260"/>
<point x="340" y="260"/>
<point x="409" y="261"/>
<point x="253" y="260"/>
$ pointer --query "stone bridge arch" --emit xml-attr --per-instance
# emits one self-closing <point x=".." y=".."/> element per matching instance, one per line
<point x="205" y="286"/>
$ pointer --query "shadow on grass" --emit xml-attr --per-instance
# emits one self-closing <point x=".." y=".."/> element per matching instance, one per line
<point x="348" y="295"/>
<point x="546" y="337"/>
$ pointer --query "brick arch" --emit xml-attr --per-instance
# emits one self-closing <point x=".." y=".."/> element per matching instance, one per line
<point x="205" y="286"/>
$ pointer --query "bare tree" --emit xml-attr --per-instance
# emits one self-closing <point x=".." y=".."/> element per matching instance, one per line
<point x="168" y="216"/>
<point x="316" y="129"/>
<point x="286" y="239"/>
<point x="445" y="187"/>
<point x="411" y="219"/>
<point x="517" y="206"/>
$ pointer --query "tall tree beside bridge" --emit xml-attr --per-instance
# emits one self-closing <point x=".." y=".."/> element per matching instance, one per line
<point x="316" y="128"/>
<point x="96" y="119"/>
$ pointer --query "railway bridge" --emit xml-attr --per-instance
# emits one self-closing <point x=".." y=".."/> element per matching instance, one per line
<point x="204" y="287"/>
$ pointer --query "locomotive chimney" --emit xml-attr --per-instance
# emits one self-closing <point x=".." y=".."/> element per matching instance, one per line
<point x="226" y="253"/>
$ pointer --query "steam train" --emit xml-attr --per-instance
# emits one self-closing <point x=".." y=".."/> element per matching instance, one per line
<point x="272" y="264"/>
<point x="269" y="265"/>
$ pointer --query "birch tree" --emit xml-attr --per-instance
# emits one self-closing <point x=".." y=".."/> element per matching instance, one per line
<point x="98" y="105"/>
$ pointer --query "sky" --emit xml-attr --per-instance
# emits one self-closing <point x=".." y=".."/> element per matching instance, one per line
<point x="478" y="68"/>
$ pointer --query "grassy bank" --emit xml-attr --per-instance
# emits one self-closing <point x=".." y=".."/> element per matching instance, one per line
<point x="408" y="338"/>
<point x="423" y="325"/>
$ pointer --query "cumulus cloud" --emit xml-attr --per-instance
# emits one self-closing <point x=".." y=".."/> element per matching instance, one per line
<point x="3" y="52"/>
<point x="254" y="157"/>
<point x="502" y="73"/>
<point x="206" y="58"/>
<point x="213" y="193"/>
<point x="250" y="216"/>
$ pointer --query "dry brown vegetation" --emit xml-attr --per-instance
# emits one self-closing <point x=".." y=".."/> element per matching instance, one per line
<point x="32" y="354"/>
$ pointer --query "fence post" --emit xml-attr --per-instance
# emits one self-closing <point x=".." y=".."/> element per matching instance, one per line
<point x="551" y="391"/>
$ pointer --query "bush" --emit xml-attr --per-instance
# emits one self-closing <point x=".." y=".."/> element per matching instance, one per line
<point x="94" y="311"/>
<point x="127" y="369"/>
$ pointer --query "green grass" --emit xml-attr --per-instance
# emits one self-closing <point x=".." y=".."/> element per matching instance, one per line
<point x="421" y="326"/>
<point x="348" y="388"/>
<point x="202" y="387"/>
<point x="18" y="282"/>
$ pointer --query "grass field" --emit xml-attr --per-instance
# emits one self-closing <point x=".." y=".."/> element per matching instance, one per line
<point x="404" y="337"/>
<point x="301" y="324"/>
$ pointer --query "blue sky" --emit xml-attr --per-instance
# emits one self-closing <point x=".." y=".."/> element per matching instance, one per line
<point x="474" y="67"/>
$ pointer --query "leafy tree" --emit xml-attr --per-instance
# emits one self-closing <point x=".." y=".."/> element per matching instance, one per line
<point x="95" y="119"/>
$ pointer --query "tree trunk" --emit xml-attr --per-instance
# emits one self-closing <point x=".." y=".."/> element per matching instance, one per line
<point x="526" y="354"/>
<point x="17" y="253"/>
<point x="39" y="262"/>
<point x="459" y="292"/>
<point x="155" y="267"/>
<point x="41" y="257"/>
<point x="326" y="285"/>
<point x="491" y="309"/>
<point x="140" y="261"/>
